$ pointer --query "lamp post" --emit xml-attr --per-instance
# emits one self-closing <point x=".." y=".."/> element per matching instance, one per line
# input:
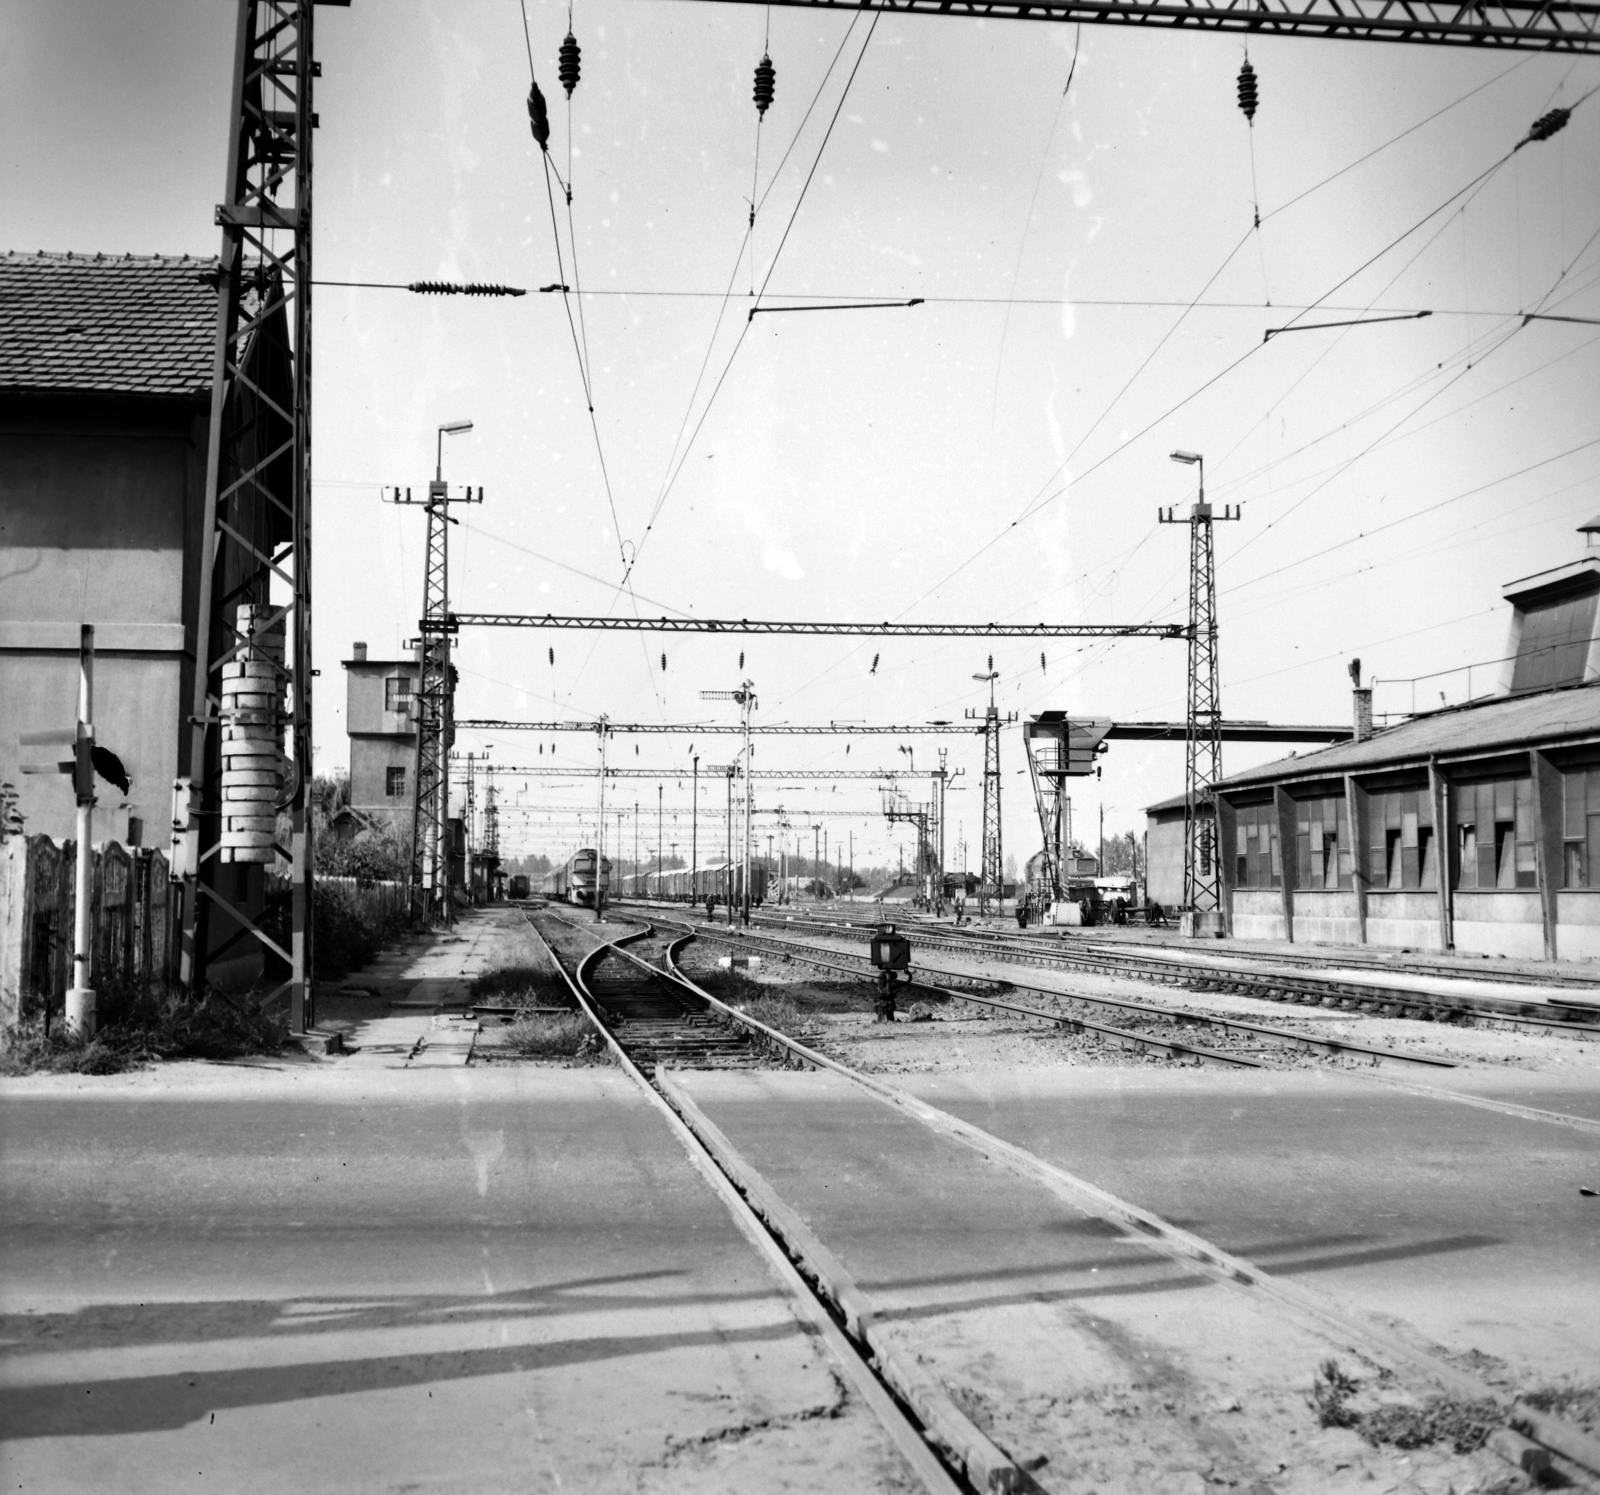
<point x="694" y="833"/>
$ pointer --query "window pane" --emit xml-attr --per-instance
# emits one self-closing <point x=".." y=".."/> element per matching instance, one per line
<point x="1467" y="844"/>
<point x="1573" y="787"/>
<point x="1426" y="872"/>
<point x="1576" y="866"/>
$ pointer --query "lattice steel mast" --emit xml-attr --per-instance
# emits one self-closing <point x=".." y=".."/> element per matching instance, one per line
<point x="991" y="877"/>
<point x="1202" y="875"/>
<point x="434" y="698"/>
<point x="258" y="463"/>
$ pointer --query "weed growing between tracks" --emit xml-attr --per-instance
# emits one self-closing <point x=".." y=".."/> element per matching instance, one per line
<point x="1465" y="1425"/>
<point x="775" y="1009"/>
<point x="552" y="1036"/>
<point x="521" y="986"/>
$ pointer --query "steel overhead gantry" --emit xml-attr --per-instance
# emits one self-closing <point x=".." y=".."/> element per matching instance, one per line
<point x="694" y="729"/>
<point x="823" y="630"/>
<point x="798" y="775"/>
<point x="1518" y="25"/>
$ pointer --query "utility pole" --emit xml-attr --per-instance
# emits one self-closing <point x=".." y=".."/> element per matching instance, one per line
<point x="1202" y="874"/>
<point x="733" y="768"/>
<point x="1101" y="861"/>
<point x="745" y="695"/>
<point x="694" y="831"/>
<point x="659" y="842"/>
<point x="81" y="1000"/>
<point x="816" y="859"/>
<point x="491" y="841"/>
<point x="941" y="784"/>
<point x="991" y="879"/>
<point x="852" y="866"/>
<point x="435" y="697"/>
<point x="602" y="729"/>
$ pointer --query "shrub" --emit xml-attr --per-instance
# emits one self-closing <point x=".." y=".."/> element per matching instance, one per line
<point x="348" y="928"/>
<point x="151" y="1027"/>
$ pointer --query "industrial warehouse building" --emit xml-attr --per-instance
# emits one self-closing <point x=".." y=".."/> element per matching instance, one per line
<point x="1474" y="828"/>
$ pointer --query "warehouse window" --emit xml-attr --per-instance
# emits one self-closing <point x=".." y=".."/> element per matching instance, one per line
<point x="394" y="782"/>
<point x="1257" y="861"/>
<point x="1580" y="827"/>
<point x="1400" y="839"/>
<point x="1494" y="833"/>
<point x="1322" y="843"/>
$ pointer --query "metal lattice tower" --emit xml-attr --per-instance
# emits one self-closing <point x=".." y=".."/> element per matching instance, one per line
<point x="257" y="451"/>
<point x="991" y="876"/>
<point x="434" y="700"/>
<point x="1202" y="873"/>
<point x="924" y="818"/>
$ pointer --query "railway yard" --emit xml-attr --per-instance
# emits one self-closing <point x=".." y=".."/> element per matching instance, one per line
<point x="818" y="916"/>
<point x="1092" y="1214"/>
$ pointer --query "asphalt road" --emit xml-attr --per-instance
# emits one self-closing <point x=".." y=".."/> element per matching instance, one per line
<point x="444" y="1280"/>
<point x="1466" y="1223"/>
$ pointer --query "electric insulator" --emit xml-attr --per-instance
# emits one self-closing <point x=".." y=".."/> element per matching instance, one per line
<point x="567" y="70"/>
<point x="539" y="117"/>
<point x="766" y="84"/>
<point x="1547" y="124"/>
<point x="663" y="662"/>
<point x="1247" y="90"/>
<point x="741" y="659"/>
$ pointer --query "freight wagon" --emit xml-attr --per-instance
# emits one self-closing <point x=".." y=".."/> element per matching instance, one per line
<point x="519" y="885"/>
<point x="716" y="880"/>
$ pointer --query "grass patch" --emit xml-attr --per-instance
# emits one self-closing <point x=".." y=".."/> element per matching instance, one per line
<point x="1464" y="1425"/>
<point x="1576" y="1401"/>
<point x="521" y="986"/>
<point x="760" y="1002"/>
<point x="216" y="1027"/>
<point x="548" y="1036"/>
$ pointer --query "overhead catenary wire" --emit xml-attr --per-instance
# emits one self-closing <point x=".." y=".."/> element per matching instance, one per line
<point x="767" y="280"/>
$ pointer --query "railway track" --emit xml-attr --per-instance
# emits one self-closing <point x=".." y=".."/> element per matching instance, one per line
<point x="1303" y="987"/>
<point x="947" y="1451"/>
<point x="1251" y="1045"/>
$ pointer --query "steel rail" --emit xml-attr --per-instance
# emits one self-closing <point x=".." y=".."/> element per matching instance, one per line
<point x="802" y="629"/>
<point x="1309" y="1042"/>
<point x="1367" y="962"/>
<point x="1571" y="26"/>
<point x="1184" y="1247"/>
<point x="1474" y="1011"/>
<point x="823" y="1295"/>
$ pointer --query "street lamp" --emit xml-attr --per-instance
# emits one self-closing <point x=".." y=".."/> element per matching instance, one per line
<point x="1194" y="459"/>
<point x="449" y="428"/>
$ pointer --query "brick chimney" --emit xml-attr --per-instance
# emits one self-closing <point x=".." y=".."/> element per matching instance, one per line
<point x="358" y="653"/>
<point x="1360" y="703"/>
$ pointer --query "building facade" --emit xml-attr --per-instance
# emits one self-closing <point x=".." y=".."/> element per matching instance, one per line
<point x="105" y="396"/>
<point x="379" y="718"/>
<point x="1474" y="828"/>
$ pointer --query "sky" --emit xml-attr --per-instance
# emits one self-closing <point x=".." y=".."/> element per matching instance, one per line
<point x="1095" y="294"/>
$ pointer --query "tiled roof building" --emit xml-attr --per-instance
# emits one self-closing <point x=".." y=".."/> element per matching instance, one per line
<point x="104" y="324"/>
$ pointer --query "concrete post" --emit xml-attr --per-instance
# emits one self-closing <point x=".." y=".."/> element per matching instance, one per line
<point x="1357" y="813"/>
<point x="1444" y="859"/>
<point x="1227" y="829"/>
<point x="1547" y="838"/>
<point x="1286" y="855"/>
<point x="80" y="996"/>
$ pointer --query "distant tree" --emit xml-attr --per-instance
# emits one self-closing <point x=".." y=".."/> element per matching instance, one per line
<point x="1121" y="854"/>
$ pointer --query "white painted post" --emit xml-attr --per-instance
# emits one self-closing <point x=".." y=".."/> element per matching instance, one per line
<point x="80" y="999"/>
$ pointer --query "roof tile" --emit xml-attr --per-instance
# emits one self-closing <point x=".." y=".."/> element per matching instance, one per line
<point x="131" y="324"/>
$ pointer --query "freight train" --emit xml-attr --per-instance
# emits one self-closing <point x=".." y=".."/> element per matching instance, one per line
<point x="718" y="880"/>
<point x="519" y="885"/>
<point x="575" y="880"/>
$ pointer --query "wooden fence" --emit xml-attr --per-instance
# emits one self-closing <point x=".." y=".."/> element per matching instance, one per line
<point x="129" y="922"/>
